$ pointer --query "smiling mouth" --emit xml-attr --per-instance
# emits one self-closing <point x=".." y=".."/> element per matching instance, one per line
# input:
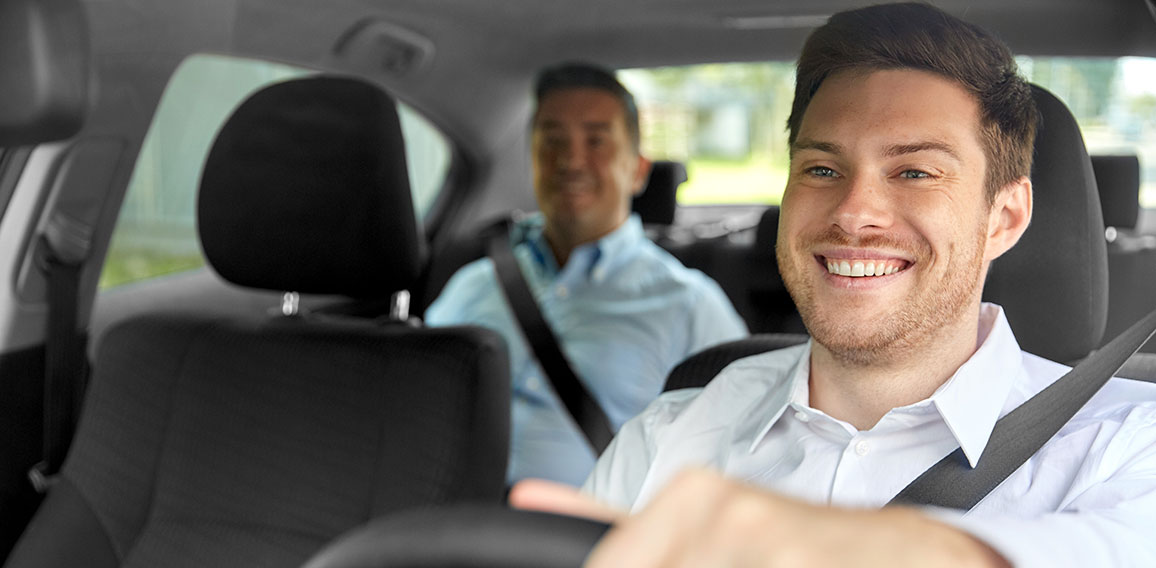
<point x="861" y="268"/>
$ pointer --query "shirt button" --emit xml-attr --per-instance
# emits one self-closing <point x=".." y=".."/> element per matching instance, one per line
<point x="802" y="417"/>
<point x="862" y="448"/>
<point x="598" y="274"/>
<point x="562" y="291"/>
<point x="533" y="383"/>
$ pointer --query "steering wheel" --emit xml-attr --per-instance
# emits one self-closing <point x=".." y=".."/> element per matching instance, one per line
<point x="464" y="536"/>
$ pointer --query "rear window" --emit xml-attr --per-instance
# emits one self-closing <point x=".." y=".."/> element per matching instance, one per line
<point x="727" y="121"/>
<point x="156" y="231"/>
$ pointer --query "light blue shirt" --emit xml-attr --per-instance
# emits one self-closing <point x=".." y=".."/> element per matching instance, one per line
<point x="1086" y="498"/>
<point x="625" y="311"/>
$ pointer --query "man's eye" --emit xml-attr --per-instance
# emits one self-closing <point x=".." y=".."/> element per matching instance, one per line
<point x="821" y="171"/>
<point x="914" y="174"/>
<point x="596" y="141"/>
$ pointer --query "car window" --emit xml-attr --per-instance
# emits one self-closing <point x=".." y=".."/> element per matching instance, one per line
<point x="156" y="231"/>
<point x="727" y="122"/>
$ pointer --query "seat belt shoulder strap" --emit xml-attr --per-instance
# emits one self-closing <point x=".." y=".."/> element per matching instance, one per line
<point x="1022" y="432"/>
<point x="583" y="408"/>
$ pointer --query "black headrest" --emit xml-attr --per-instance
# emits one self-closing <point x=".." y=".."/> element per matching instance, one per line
<point x="1054" y="283"/>
<point x="306" y="190"/>
<point x="44" y="70"/>
<point x="767" y="231"/>
<point x="658" y="201"/>
<point x="1118" y="180"/>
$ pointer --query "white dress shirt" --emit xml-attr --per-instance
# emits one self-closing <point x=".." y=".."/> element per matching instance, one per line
<point x="1087" y="498"/>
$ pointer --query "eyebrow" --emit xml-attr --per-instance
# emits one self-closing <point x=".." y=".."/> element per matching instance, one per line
<point x="592" y="125"/>
<point x="890" y="151"/>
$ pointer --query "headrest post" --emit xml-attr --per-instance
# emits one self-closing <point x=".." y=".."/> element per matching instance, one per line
<point x="290" y="304"/>
<point x="399" y="306"/>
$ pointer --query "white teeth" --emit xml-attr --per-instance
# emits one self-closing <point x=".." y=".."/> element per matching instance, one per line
<point x="860" y="269"/>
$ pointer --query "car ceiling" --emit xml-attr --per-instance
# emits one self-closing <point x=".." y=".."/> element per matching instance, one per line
<point x="479" y="55"/>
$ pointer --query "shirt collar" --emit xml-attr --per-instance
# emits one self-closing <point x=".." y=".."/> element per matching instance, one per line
<point x="596" y="258"/>
<point x="969" y="402"/>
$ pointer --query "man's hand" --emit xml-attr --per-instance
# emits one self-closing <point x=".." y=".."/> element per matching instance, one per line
<point x="702" y="519"/>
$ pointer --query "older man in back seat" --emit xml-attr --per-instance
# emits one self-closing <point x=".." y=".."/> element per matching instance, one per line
<point x="623" y="309"/>
<point x="911" y="143"/>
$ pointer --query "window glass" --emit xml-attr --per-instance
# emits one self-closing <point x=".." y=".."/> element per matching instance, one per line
<point x="1113" y="100"/>
<point x="727" y="122"/>
<point x="156" y="231"/>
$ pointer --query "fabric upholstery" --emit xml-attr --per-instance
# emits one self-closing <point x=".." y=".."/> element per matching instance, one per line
<point x="1054" y="282"/>
<point x="1118" y="182"/>
<point x="325" y="153"/>
<point x="659" y="199"/>
<point x="698" y="369"/>
<point x="251" y="439"/>
<point x="220" y="443"/>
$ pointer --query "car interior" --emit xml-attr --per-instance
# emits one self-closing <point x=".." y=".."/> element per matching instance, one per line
<point x="266" y="394"/>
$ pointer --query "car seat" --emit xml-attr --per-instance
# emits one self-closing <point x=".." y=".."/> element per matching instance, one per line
<point x="210" y="440"/>
<point x="1131" y="255"/>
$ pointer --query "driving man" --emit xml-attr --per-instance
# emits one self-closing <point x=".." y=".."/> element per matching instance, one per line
<point x="911" y="137"/>
<point x="624" y="310"/>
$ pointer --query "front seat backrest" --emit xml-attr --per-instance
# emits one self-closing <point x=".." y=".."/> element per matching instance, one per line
<point x="210" y="440"/>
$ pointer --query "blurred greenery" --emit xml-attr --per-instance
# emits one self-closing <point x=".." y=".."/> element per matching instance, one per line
<point x="125" y="265"/>
<point x="718" y="181"/>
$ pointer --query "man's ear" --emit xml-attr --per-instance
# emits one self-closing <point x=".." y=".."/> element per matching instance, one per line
<point x="641" y="175"/>
<point x="1009" y="217"/>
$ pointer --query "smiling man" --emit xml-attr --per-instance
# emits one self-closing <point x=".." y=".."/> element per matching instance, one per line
<point x="624" y="311"/>
<point x="911" y="137"/>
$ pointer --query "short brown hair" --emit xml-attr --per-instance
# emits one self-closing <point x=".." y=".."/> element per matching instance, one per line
<point x="920" y="36"/>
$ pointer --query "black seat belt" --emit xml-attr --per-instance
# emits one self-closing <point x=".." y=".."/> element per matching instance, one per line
<point x="63" y="248"/>
<point x="1023" y="431"/>
<point x="65" y="370"/>
<point x="585" y="411"/>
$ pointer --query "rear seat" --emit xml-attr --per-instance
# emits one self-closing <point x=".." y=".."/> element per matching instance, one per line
<point x="747" y="271"/>
<point x="1131" y="255"/>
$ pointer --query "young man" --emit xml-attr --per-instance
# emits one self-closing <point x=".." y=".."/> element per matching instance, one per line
<point x="623" y="309"/>
<point x="911" y="139"/>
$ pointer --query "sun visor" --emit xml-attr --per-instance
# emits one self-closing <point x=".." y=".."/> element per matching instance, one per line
<point x="44" y="55"/>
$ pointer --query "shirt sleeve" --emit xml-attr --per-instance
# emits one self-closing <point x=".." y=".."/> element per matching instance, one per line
<point x="453" y="304"/>
<point x="623" y="467"/>
<point x="713" y="318"/>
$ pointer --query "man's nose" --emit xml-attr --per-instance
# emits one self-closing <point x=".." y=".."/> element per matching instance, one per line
<point x="571" y="155"/>
<point x="863" y="204"/>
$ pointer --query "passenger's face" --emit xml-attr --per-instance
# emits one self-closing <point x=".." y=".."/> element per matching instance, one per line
<point x="585" y="167"/>
<point x="883" y="235"/>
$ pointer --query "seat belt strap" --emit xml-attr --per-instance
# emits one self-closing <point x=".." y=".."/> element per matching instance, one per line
<point x="64" y="367"/>
<point x="1022" y="432"/>
<point x="585" y="411"/>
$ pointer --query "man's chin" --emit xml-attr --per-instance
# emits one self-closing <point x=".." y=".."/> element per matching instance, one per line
<point x="858" y="343"/>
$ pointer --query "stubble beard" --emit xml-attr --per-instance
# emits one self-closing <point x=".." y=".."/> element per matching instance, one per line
<point x="918" y="321"/>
